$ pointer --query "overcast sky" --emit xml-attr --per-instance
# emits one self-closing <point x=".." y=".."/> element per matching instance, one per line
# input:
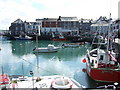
<point x="29" y="10"/>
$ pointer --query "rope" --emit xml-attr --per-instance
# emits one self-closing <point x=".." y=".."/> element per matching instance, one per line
<point x="39" y="66"/>
<point x="94" y="38"/>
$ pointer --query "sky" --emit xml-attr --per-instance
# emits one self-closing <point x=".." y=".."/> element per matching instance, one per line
<point x="29" y="10"/>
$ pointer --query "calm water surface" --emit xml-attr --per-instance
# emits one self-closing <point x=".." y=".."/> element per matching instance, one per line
<point x="67" y="61"/>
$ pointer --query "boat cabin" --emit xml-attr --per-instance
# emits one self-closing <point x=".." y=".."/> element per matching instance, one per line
<point x="51" y="46"/>
<point x="99" y="56"/>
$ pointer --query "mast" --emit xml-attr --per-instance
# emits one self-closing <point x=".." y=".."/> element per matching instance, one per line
<point x="109" y="29"/>
<point x="108" y="37"/>
<point x="38" y="33"/>
<point x="2" y="70"/>
<point x="23" y="70"/>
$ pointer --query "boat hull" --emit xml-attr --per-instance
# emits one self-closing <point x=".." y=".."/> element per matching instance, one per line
<point x="104" y="74"/>
<point x="22" y="39"/>
<point x="60" y="39"/>
<point x="46" y="50"/>
<point x="73" y="44"/>
<point x="4" y="81"/>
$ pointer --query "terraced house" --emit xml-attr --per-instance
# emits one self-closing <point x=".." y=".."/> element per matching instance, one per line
<point x="46" y="26"/>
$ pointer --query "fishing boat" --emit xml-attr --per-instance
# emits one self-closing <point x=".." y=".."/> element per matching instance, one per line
<point x="58" y="37"/>
<point x="50" y="48"/>
<point x="72" y="44"/>
<point x="101" y="64"/>
<point x="50" y="82"/>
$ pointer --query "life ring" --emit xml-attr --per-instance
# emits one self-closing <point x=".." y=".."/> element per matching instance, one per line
<point x="62" y="83"/>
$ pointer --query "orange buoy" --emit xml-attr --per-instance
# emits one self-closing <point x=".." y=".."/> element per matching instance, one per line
<point x="84" y="60"/>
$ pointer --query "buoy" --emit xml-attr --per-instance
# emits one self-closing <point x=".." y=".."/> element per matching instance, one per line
<point x="84" y="60"/>
<point x="63" y="83"/>
<point x="83" y="70"/>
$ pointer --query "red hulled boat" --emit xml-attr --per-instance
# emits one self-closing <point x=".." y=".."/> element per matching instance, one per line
<point x="101" y="64"/>
<point x="4" y="81"/>
<point x="59" y="37"/>
<point x="100" y="68"/>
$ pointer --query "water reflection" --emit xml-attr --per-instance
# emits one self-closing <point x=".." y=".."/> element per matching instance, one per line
<point x="20" y="48"/>
<point x="67" y="61"/>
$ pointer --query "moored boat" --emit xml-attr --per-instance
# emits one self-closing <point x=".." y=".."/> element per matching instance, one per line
<point x="50" y="48"/>
<point x="55" y="81"/>
<point x="100" y="69"/>
<point x="101" y="64"/>
<point x="73" y="44"/>
<point x="58" y="37"/>
<point x="4" y="80"/>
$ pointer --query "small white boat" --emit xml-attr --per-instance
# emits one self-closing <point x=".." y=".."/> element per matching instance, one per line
<point x="50" y="48"/>
<point x="72" y="44"/>
<point x="23" y="38"/>
<point x="55" y="82"/>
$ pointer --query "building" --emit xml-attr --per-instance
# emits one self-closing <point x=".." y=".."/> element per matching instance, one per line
<point x="85" y="25"/>
<point x="46" y="26"/>
<point x="69" y="25"/>
<point x="116" y="28"/>
<point x="49" y="26"/>
<point x="64" y="25"/>
<point x="100" y="26"/>
<point x="18" y="27"/>
<point x="31" y="28"/>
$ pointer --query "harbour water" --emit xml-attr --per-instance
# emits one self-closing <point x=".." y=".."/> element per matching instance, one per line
<point x="67" y="61"/>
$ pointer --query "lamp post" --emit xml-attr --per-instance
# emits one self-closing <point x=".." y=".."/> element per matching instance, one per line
<point x="31" y="73"/>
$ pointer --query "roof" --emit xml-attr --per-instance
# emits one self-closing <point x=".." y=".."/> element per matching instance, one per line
<point x="100" y="25"/>
<point x="47" y="19"/>
<point x="68" y="18"/>
<point x="18" y="21"/>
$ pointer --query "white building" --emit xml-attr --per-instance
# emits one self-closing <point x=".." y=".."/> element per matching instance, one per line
<point x="49" y="25"/>
<point x="33" y="27"/>
<point x="100" y="26"/>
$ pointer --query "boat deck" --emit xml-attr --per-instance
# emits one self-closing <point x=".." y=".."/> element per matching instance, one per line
<point x="45" y="82"/>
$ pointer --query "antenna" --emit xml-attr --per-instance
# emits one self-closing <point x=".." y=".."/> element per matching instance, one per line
<point x="110" y="5"/>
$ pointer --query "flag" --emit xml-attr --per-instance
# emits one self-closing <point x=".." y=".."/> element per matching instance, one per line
<point x="112" y="58"/>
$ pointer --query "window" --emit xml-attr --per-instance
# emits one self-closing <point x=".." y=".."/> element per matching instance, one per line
<point x="101" y="57"/>
<point x="16" y="28"/>
<point x="36" y="27"/>
<point x="33" y="27"/>
<point x="21" y="28"/>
